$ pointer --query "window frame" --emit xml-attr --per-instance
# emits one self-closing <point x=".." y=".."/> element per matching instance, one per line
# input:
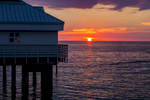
<point x="13" y="36"/>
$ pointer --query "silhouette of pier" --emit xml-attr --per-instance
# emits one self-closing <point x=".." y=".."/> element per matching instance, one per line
<point x="33" y="58"/>
<point x="46" y="80"/>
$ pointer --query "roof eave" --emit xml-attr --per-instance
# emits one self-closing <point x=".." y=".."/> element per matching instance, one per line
<point x="33" y="27"/>
<point x="34" y="23"/>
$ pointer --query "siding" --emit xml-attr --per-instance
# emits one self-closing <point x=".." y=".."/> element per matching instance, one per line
<point x="39" y="38"/>
<point x="4" y="38"/>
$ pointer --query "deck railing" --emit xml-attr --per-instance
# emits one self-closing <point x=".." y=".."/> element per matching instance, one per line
<point x="17" y="51"/>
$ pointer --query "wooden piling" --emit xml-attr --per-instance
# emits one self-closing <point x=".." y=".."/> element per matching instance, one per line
<point x="4" y="75"/>
<point x="25" y="82"/>
<point x="46" y="81"/>
<point x="34" y="85"/>
<point x="13" y="76"/>
<point x="4" y="81"/>
<point x="34" y="79"/>
<point x="56" y="69"/>
<point x="13" y="81"/>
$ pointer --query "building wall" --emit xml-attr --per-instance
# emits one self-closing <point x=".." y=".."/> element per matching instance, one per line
<point x="39" y="38"/>
<point x="31" y="38"/>
<point x="4" y="38"/>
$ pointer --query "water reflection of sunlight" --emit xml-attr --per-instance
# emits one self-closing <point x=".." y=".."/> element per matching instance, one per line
<point x="89" y="43"/>
<point x="89" y="53"/>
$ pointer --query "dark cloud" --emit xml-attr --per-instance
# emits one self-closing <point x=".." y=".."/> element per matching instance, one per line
<point x="73" y="3"/>
<point x="83" y="4"/>
<point x="120" y="4"/>
<point x="58" y="4"/>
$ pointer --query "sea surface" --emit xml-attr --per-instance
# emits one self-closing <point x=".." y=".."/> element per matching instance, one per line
<point x="95" y="71"/>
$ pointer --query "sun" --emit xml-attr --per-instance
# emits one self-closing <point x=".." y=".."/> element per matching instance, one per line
<point x="89" y="39"/>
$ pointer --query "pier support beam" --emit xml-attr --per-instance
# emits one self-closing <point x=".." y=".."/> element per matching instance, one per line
<point x="25" y="82"/>
<point x="4" y="81"/>
<point x="13" y="81"/>
<point x="34" y="84"/>
<point x="34" y="79"/>
<point x="46" y="81"/>
<point x="56" y="69"/>
<point x="4" y="75"/>
<point x="13" y="76"/>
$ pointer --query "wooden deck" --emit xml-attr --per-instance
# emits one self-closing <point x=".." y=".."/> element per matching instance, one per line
<point x="33" y="54"/>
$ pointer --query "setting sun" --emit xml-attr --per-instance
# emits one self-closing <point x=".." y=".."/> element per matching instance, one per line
<point x="89" y="39"/>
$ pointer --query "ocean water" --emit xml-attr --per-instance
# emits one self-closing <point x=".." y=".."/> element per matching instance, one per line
<point x="95" y="71"/>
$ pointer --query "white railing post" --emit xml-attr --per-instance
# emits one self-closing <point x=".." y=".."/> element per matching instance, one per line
<point x="37" y="47"/>
<point x="4" y="54"/>
<point x="57" y="46"/>
<point x="47" y="54"/>
<point x="26" y="54"/>
<point x="15" y="54"/>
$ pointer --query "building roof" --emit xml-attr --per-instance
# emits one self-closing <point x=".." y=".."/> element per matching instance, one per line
<point x="22" y="13"/>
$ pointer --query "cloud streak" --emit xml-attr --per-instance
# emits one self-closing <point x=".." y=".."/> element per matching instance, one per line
<point x="85" y="31"/>
<point x="92" y="31"/>
<point x="144" y="23"/>
<point x="83" y="4"/>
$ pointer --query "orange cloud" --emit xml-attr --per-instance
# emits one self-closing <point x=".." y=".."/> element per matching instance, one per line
<point x="102" y="30"/>
<point x="85" y="31"/>
<point x="92" y="31"/>
<point x="113" y="30"/>
<point x="145" y="23"/>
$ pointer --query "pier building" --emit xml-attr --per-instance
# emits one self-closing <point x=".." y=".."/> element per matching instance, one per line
<point x="29" y="37"/>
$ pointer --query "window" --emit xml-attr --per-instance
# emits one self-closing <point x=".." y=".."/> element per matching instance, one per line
<point x="14" y="37"/>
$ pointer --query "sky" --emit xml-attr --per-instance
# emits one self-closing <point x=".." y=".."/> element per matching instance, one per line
<point x="101" y="20"/>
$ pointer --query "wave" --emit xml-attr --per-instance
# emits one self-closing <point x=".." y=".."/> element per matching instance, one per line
<point x="137" y="61"/>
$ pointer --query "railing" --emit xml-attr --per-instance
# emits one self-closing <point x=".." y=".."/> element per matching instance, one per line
<point x="28" y="51"/>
